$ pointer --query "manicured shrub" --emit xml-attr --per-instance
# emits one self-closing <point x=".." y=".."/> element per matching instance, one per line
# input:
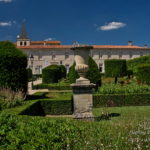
<point x="49" y="107"/>
<point x="143" y="73"/>
<point x="51" y="74"/>
<point x="52" y="86"/>
<point x="63" y="71"/>
<point x="29" y="72"/>
<point x="134" y="63"/>
<point x="111" y="100"/>
<point x="115" y="68"/>
<point x="72" y="75"/>
<point x="13" y="63"/>
<point x="93" y="73"/>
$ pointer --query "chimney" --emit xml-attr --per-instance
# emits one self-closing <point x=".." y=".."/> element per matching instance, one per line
<point x="145" y="46"/>
<point x="130" y="43"/>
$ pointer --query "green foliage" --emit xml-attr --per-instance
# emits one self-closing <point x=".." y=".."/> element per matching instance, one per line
<point x="63" y="71"/>
<point x="134" y="63"/>
<point x="123" y="89"/>
<point x="9" y="98"/>
<point x="54" y="86"/>
<point x="49" y="107"/>
<point x="29" y="72"/>
<point x="112" y="100"/>
<point x="51" y="74"/>
<point x="115" y="68"/>
<point x="93" y="73"/>
<point x="143" y="73"/>
<point x="13" y="63"/>
<point x="72" y="75"/>
<point x="24" y="132"/>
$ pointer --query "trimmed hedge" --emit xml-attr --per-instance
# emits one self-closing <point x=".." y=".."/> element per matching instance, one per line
<point x="49" y="107"/>
<point x="51" y="74"/>
<point x="115" y="68"/>
<point x="72" y="75"/>
<point x="34" y="110"/>
<point x="29" y="72"/>
<point x="121" y="100"/>
<point x="63" y="71"/>
<point x="57" y="107"/>
<point x="134" y="63"/>
<point x="93" y="73"/>
<point x="52" y="87"/>
<point x="143" y="73"/>
<point x="13" y="63"/>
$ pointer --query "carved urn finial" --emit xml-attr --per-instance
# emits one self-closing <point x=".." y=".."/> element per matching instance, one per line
<point x="81" y="59"/>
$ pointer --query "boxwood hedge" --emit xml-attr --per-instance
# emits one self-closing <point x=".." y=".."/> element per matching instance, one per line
<point x="13" y="63"/>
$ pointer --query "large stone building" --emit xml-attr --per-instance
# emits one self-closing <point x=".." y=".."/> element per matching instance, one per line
<point x="46" y="53"/>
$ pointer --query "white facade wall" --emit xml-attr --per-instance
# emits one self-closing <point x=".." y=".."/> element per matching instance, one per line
<point x="45" y="57"/>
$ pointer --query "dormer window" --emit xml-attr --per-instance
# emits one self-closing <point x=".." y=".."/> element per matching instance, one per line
<point x="25" y="43"/>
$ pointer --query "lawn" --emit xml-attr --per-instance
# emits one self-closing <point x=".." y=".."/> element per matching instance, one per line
<point x="127" y="129"/>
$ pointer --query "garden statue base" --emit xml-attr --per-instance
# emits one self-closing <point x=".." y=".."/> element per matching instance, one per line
<point x="83" y="99"/>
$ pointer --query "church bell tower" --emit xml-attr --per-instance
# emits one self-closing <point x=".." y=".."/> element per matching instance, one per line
<point x="23" y="39"/>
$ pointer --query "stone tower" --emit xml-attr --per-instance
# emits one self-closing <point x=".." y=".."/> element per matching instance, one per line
<point x="23" y="39"/>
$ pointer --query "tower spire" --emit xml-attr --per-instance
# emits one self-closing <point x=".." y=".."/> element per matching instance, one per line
<point x="23" y="33"/>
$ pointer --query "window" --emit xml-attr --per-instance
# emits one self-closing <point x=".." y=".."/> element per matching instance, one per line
<point x="120" y="55"/>
<point x="25" y="43"/>
<point x="61" y="62"/>
<point x="66" y="55"/>
<point x="38" y="69"/>
<point x="21" y="43"/>
<point x="53" y="56"/>
<point x="39" y="57"/>
<point x="100" y="67"/>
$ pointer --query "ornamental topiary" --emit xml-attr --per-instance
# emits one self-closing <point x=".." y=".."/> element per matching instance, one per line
<point x="115" y="68"/>
<point x="134" y="63"/>
<point x="63" y="71"/>
<point x="51" y="74"/>
<point x="143" y="73"/>
<point x="72" y="75"/>
<point x="93" y="73"/>
<point x="13" y="63"/>
<point x="29" y="72"/>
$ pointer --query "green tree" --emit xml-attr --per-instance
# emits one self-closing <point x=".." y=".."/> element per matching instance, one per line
<point x="51" y="74"/>
<point x="115" y="68"/>
<point x="93" y="73"/>
<point x="143" y="73"/>
<point x="72" y="75"/>
<point x="13" y="63"/>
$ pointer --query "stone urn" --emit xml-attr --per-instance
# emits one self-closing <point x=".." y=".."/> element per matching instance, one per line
<point x="82" y="53"/>
<point x="82" y="89"/>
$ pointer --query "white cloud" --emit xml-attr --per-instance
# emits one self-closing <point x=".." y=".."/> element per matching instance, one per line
<point x="112" y="26"/>
<point x="6" y="1"/>
<point x="5" y="24"/>
<point x="49" y="39"/>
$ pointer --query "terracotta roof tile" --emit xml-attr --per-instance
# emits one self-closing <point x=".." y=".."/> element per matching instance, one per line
<point x="37" y="42"/>
<point x="70" y="46"/>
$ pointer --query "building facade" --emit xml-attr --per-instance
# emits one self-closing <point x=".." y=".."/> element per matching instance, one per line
<point x="45" y="53"/>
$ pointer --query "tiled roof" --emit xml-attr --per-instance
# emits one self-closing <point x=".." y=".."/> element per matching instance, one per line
<point x="70" y="46"/>
<point x="38" y="42"/>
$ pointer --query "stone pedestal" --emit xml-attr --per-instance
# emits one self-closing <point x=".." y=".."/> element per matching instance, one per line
<point x="83" y="99"/>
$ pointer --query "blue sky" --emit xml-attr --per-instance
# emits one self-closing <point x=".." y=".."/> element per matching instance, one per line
<point x="100" y="22"/>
